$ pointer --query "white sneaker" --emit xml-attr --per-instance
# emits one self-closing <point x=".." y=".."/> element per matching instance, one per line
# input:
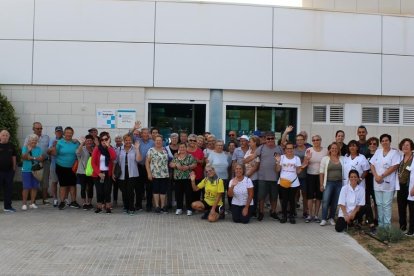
<point x="323" y="223"/>
<point x="332" y="222"/>
<point x="24" y="207"/>
<point x="33" y="206"/>
<point x="179" y="211"/>
<point x="189" y="213"/>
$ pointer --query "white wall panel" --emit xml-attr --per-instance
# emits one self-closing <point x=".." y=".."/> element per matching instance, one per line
<point x="93" y="63"/>
<point x="16" y="19"/>
<point x="195" y="23"/>
<point x="398" y="35"/>
<point x="304" y="29"/>
<point x="397" y="75"/>
<point x="15" y="62"/>
<point x="213" y="67"/>
<point x="329" y="72"/>
<point x="95" y="20"/>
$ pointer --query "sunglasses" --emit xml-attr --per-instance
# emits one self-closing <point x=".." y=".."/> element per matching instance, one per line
<point x="232" y="135"/>
<point x="270" y="138"/>
<point x="104" y="139"/>
<point x="314" y="140"/>
<point x="39" y="128"/>
<point x="190" y="140"/>
<point x="209" y="171"/>
<point x="372" y="144"/>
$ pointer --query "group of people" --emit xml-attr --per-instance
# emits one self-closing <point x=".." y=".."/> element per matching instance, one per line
<point x="357" y="179"/>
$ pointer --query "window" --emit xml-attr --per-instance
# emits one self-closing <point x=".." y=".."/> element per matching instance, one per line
<point x="391" y="115"/>
<point x="370" y="115"/>
<point x="408" y="116"/>
<point x="328" y="114"/>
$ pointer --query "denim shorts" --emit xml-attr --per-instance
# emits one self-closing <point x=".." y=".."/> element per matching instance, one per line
<point x="29" y="181"/>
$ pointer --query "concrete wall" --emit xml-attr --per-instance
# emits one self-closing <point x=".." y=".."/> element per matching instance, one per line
<point x="193" y="45"/>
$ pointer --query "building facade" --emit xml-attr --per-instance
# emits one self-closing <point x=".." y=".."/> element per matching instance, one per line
<point x="210" y="66"/>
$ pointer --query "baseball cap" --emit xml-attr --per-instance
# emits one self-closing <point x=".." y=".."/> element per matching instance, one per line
<point x="58" y="128"/>
<point x="92" y="129"/>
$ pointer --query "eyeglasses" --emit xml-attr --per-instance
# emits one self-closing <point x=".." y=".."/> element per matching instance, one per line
<point x="220" y="145"/>
<point x="232" y="135"/>
<point x="104" y="139"/>
<point x="289" y="148"/>
<point x="314" y="140"/>
<point x="190" y="140"/>
<point x="270" y="138"/>
<point x="373" y="144"/>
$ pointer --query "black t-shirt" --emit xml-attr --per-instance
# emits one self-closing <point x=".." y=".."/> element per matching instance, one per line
<point x="7" y="151"/>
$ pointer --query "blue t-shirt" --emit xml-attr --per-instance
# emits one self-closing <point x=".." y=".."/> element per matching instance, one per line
<point x="66" y="153"/>
<point x="27" y="164"/>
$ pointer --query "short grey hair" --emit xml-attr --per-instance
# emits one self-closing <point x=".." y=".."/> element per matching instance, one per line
<point x="32" y="137"/>
<point x="174" y="135"/>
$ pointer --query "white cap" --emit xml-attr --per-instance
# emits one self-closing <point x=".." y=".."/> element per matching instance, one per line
<point x="244" y="137"/>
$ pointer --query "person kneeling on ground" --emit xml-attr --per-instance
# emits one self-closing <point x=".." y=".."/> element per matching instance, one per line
<point x="241" y="189"/>
<point x="351" y="201"/>
<point x="214" y="189"/>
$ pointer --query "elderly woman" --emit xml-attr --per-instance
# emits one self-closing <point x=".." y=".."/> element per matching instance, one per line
<point x="157" y="171"/>
<point x="196" y="151"/>
<point x="404" y="170"/>
<point x="103" y="157"/>
<point x="83" y="153"/>
<point x="241" y="190"/>
<point x="410" y="199"/>
<point x="371" y="213"/>
<point x="289" y="167"/>
<point x="200" y="142"/>
<point x="355" y="160"/>
<point x="221" y="162"/>
<point x="31" y="155"/>
<point x="128" y="158"/>
<point x="252" y="165"/>
<point x="313" y="189"/>
<point x="212" y="204"/>
<point x="384" y="165"/>
<point x="183" y="164"/>
<point x="118" y="145"/>
<point x="8" y="166"/>
<point x="172" y="150"/>
<point x="65" y="151"/>
<point x="351" y="200"/>
<point x="331" y="174"/>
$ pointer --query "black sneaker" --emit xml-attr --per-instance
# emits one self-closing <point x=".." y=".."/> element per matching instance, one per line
<point x="62" y="205"/>
<point x="158" y="210"/>
<point x="409" y="234"/>
<point x="164" y="210"/>
<point x="74" y="204"/>
<point x="98" y="210"/>
<point x="90" y="206"/>
<point x="205" y="215"/>
<point x="292" y="220"/>
<point x="260" y="216"/>
<point x="85" y="207"/>
<point x="108" y="211"/>
<point x="274" y="216"/>
<point x="283" y="220"/>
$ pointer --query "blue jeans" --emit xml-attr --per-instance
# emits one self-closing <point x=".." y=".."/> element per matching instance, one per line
<point x="384" y="205"/>
<point x="330" y="198"/>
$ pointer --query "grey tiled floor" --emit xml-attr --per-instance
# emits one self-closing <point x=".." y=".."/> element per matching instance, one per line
<point x="76" y="242"/>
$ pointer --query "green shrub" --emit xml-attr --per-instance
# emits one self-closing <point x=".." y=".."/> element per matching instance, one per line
<point x="391" y="234"/>
<point x="8" y="120"/>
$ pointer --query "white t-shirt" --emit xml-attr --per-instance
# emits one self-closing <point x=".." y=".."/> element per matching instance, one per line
<point x="102" y="165"/>
<point x="359" y="163"/>
<point x="411" y="185"/>
<point x="381" y="164"/>
<point x="288" y="169"/>
<point x="351" y="198"/>
<point x="315" y="161"/>
<point x="240" y="194"/>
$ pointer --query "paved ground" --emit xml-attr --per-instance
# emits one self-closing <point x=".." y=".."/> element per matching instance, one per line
<point x="76" y="242"/>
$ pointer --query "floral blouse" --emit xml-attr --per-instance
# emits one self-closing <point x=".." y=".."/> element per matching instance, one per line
<point x="187" y="161"/>
<point x="159" y="163"/>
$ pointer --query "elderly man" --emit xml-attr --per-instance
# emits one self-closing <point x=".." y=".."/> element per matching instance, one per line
<point x="267" y="175"/>
<point x="53" y="175"/>
<point x="43" y="143"/>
